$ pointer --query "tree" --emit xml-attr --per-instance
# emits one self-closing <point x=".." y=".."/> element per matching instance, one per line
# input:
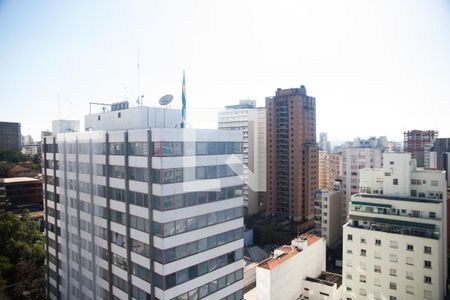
<point x="12" y="156"/>
<point x="22" y="256"/>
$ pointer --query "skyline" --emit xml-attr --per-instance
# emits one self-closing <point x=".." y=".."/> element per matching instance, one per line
<point x="374" y="68"/>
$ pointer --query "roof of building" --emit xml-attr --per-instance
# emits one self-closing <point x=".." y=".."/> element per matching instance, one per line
<point x="18" y="179"/>
<point x="327" y="278"/>
<point x="288" y="252"/>
<point x="255" y="253"/>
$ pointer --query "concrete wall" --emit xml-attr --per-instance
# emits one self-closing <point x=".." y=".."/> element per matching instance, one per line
<point x="284" y="282"/>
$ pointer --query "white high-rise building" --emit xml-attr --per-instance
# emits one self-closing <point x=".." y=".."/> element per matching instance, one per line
<point x="353" y="160"/>
<point x="251" y="120"/>
<point x="395" y="242"/>
<point x="150" y="213"/>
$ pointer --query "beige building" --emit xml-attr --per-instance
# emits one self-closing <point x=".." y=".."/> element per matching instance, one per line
<point x="251" y="120"/>
<point x="327" y="214"/>
<point x="292" y="155"/>
<point x="395" y="242"/>
<point x="329" y="169"/>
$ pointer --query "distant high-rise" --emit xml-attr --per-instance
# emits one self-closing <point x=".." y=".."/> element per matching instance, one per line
<point x="251" y="120"/>
<point x="415" y="142"/>
<point x="10" y="136"/>
<point x="329" y="168"/>
<point x="324" y="144"/>
<point x="292" y="154"/>
<point x="353" y="160"/>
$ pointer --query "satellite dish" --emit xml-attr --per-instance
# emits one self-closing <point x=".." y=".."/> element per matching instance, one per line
<point x="165" y="99"/>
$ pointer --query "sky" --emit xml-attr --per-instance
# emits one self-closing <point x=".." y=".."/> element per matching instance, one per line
<point x="375" y="67"/>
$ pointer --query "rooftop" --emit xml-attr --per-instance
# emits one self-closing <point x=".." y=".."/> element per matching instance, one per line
<point x="288" y="252"/>
<point x="18" y="179"/>
<point x="327" y="278"/>
<point x="375" y="196"/>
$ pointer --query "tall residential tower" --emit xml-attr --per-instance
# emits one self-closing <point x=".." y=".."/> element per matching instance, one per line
<point x="292" y="154"/>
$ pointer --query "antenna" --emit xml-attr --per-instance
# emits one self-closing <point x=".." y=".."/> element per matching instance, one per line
<point x="139" y="79"/>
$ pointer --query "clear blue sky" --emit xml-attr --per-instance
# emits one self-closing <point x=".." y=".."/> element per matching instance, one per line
<point x="375" y="67"/>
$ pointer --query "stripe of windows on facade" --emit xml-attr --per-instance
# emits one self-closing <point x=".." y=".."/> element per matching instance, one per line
<point x="144" y="214"/>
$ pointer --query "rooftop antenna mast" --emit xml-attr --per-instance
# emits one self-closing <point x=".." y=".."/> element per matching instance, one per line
<point x="140" y="97"/>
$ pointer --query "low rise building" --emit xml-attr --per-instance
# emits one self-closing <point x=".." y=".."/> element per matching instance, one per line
<point x="21" y="192"/>
<point x="281" y="276"/>
<point x="326" y="286"/>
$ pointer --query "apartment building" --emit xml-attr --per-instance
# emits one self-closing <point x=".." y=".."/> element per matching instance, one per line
<point x="148" y="213"/>
<point x="251" y="120"/>
<point x="292" y="155"/>
<point x="329" y="168"/>
<point x="327" y="214"/>
<point x="353" y="160"/>
<point x="395" y="242"/>
<point x="415" y="142"/>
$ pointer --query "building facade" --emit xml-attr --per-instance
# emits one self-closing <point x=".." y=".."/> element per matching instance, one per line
<point x="292" y="155"/>
<point x="10" y="136"/>
<point x="353" y="160"/>
<point x="395" y="242"/>
<point x="144" y="214"/>
<point x="329" y="169"/>
<point x="281" y="276"/>
<point x="327" y="214"/>
<point x="251" y="120"/>
<point x="415" y="142"/>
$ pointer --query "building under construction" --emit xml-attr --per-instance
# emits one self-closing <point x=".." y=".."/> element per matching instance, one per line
<point x="415" y="142"/>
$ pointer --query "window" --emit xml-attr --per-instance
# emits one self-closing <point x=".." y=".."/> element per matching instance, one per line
<point x="427" y="264"/>
<point x="377" y="242"/>
<point x="409" y="275"/>
<point x="363" y="252"/>
<point x="395" y="181"/>
<point x="377" y="255"/>
<point x="362" y="265"/>
<point x="392" y="298"/>
<point x="409" y="290"/>
<point x="434" y="183"/>
<point x="377" y="269"/>
<point x="409" y="247"/>
<point x="119" y="115"/>
<point x="393" y="272"/>
<point x="413" y="193"/>
<point x="349" y="237"/>
<point x="393" y="285"/>
<point x="432" y="215"/>
<point x="427" y="279"/>
<point x="362" y="278"/>
<point x="427" y="294"/>
<point x="410" y="261"/>
<point x="393" y="244"/>
<point x="349" y="276"/>
<point x="393" y="258"/>
<point x="363" y="241"/>
<point x="427" y="250"/>
<point x="377" y="281"/>
<point x="362" y="292"/>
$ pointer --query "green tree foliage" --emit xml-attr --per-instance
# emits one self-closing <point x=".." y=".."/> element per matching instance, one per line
<point x="12" y="156"/>
<point x="22" y="256"/>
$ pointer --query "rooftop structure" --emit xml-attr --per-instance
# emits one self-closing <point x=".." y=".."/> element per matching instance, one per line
<point x="134" y="118"/>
